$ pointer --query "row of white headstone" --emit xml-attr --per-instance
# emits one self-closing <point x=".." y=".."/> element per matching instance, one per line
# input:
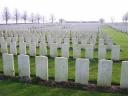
<point x="50" y="33"/>
<point x="104" y="38"/>
<point x="61" y="69"/>
<point x="49" y="40"/>
<point x="115" y="52"/>
<point x="43" y="49"/>
<point x="115" y="49"/>
<point x="64" y="50"/>
<point x="120" y="26"/>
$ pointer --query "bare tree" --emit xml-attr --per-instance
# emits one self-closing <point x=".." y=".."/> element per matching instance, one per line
<point x="43" y="19"/>
<point x="6" y="14"/>
<point x="52" y="18"/>
<point x="16" y="15"/>
<point x="61" y="20"/>
<point x="101" y="20"/>
<point x="125" y="18"/>
<point x="112" y="19"/>
<point x="32" y="18"/>
<point x="38" y="18"/>
<point x="24" y="17"/>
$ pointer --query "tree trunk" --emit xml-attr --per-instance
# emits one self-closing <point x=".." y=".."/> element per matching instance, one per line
<point x="6" y="21"/>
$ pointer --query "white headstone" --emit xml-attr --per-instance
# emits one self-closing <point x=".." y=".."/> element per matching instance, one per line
<point x="82" y="71"/>
<point x="83" y="41"/>
<point x="28" y="40"/>
<point x="50" y="41"/>
<point x="124" y="75"/>
<point x="115" y="52"/>
<point x="53" y="50"/>
<point x="61" y="69"/>
<point x="43" y="49"/>
<point x="110" y="43"/>
<point x="8" y="64"/>
<point x="13" y="48"/>
<point x="59" y="41"/>
<point x="65" y="50"/>
<point x="21" y="39"/>
<point x="104" y="72"/>
<point x="101" y="41"/>
<point x="76" y="51"/>
<point x="4" y="48"/>
<point x="32" y="49"/>
<point x="89" y="51"/>
<point x="42" y="67"/>
<point x="42" y="39"/>
<point x="2" y="39"/>
<point x="75" y="40"/>
<point x="101" y="52"/>
<point x="93" y="41"/>
<point x="24" y="65"/>
<point x="22" y="48"/>
<point x="14" y="39"/>
<point x="66" y="40"/>
<point x="8" y="40"/>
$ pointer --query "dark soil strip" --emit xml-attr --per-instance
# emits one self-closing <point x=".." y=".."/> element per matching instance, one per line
<point x="69" y="84"/>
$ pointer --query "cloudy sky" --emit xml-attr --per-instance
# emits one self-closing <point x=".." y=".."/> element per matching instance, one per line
<point x="78" y="10"/>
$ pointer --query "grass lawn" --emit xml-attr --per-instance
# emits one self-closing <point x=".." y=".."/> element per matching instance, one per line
<point x="120" y="39"/>
<point x="12" y="88"/>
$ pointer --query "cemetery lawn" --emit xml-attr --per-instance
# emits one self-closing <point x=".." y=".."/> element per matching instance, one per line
<point x="118" y="38"/>
<point x="15" y="88"/>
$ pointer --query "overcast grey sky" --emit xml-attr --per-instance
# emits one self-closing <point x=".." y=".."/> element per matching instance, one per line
<point x="71" y="9"/>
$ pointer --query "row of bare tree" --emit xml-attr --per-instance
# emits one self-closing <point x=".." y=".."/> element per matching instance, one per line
<point x="17" y="16"/>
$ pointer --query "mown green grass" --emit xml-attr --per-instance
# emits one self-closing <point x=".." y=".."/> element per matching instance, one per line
<point x="7" y="87"/>
<point x="11" y="88"/>
<point x="120" y="39"/>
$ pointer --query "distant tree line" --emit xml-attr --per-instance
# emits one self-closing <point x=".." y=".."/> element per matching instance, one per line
<point x="17" y="16"/>
<point x="124" y="19"/>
